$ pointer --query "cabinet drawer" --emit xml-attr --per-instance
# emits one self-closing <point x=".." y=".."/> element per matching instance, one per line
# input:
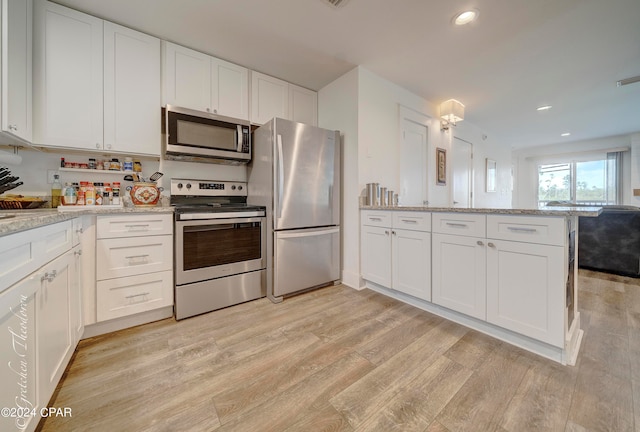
<point x="134" y="225"/>
<point x="529" y="229"/>
<point x="130" y="295"/>
<point x="466" y="224"/>
<point x="414" y="221"/>
<point x="376" y="218"/>
<point x="133" y="256"/>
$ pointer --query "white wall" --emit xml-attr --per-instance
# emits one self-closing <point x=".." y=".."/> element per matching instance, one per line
<point x="527" y="161"/>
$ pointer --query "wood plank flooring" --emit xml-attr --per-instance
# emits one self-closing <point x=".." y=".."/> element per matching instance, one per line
<point x="337" y="359"/>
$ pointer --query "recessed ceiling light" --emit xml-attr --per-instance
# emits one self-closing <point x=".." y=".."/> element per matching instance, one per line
<point x="565" y="134"/>
<point x="466" y="17"/>
<point x="544" y="108"/>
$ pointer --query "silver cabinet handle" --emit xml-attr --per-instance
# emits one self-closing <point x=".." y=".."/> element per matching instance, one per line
<point x="480" y="243"/>
<point x="98" y="145"/>
<point x="215" y="111"/>
<point x="78" y="253"/>
<point x="393" y="232"/>
<point x="425" y="202"/>
<point x="137" y="259"/>
<point x="375" y="219"/>
<point x="109" y="146"/>
<point x="137" y="295"/>
<point x="491" y="245"/>
<point x="79" y="231"/>
<point x="49" y="277"/>
<point x="142" y="227"/>
<point x="456" y="202"/>
<point x="13" y="127"/>
<point x="208" y="109"/>
<point x="411" y="221"/>
<point x="386" y="232"/>
<point x="526" y="230"/>
<point x="458" y="225"/>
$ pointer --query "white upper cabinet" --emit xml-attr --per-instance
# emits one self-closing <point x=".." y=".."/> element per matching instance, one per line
<point x="96" y="84"/>
<point x="198" y="81"/>
<point x="131" y="90"/>
<point x="229" y="89"/>
<point x="269" y="98"/>
<point x="187" y="77"/>
<point x="16" y="51"/>
<point x="68" y="82"/>
<point x="303" y="105"/>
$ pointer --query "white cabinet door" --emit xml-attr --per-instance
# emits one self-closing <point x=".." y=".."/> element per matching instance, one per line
<point x="411" y="251"/>
<point x="54" y="334"/>
<point x="376" y="255"/>
<point x="187" y="78"/>
<point x="229" y="89"/>
<point x="526" y="290"/>
<point x="18" y="352"/>
<point x="76" y="322"/>
<point x="131" y="91"/>
<point x="459" y="274"/>
<point x="68" y="69"/>
<point x="269" y="98"/>
<point x="303" y="105"/>
<point x="16" y="67"/>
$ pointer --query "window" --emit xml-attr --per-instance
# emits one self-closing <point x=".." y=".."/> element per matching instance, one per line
<point x="588" y="182"/>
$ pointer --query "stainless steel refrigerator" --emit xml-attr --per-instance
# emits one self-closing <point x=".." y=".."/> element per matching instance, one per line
<point x="295" y="173"/>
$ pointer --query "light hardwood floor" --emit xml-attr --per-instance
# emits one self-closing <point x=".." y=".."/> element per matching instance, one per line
<point x="337" y="359"/>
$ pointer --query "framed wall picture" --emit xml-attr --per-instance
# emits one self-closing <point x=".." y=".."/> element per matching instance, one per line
<point x="491" y="175"/>
<point x="441" y="166"/>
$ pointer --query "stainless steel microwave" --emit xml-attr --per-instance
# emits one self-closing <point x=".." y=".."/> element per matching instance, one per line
<point x="192" y="135"/>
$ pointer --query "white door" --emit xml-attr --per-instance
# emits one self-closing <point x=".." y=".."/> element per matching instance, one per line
<point x="187" y="78"/>
<point x="269" y="98"/>
<point x="461" y="172"/>
<point x="525" y="289"/>
<point x="459" y="274"/>
<point x="411" y="253"/>
<point x="229" y="89"/>
<point x="131" y="91"/>
<point x="68" y="83"/>
<point x="413" y="161"/>
<point x="375" y="257"/>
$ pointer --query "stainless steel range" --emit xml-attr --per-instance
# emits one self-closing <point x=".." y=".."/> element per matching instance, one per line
<point x="220" y="246"/>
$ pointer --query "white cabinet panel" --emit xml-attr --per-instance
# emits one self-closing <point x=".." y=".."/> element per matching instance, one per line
<point x="376" y="255"/>
<point x="459" y="274"/>
<point x="18" y="353"/>
<point x="134" y="255"/>
<point x="414" y="221"/>
<point x="376" y="218"/>
<point x="131" y="91"/>
<point x="130" y="295"/>
<point x="411" y="251"/>
<point x="68" y="78"/>
<point x="269" y="98"/>
<point x="525" y="289"/>
<point x="187" y="77"/>
<point x="303" y="105"/>
<point x="229" y="89"/>
<point x="547" y="230"/>
<point x="140" y="225"/>
<point x="16" y="51"/>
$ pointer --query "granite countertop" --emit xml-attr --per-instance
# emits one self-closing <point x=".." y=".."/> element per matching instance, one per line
<point x="544" y="211"/>
<point x="21" y="220"/>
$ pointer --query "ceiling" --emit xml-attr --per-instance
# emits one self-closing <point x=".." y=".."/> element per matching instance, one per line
<point x="517" y="56"/>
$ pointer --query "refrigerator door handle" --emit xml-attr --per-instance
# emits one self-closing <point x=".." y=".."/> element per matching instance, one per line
<point x="284" y="234"/>
<point x="280" y="176"/>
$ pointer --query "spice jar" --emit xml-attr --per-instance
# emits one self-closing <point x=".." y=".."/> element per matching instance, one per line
<point x="115" y="200"/>
<point x="92" y="163"/>
<point x="114" y="165"/>
<point x="90" y="195"/>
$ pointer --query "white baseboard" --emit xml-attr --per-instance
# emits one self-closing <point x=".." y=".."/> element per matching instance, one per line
<point x="105" y="327"/>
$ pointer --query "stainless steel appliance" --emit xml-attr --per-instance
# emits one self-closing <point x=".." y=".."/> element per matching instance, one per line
<point x="191" y="135"/>
<point x="220" y="246"/>
<point x="295" y="174"/>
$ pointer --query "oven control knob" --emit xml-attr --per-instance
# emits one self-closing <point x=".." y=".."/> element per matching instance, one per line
<point x="233" y="187"/>
<point x="188" y="185"/>
<point x="179" y="185"/>
<point x="239" y="187"/>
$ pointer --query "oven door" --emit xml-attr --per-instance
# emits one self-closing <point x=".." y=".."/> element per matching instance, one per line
<point x="214" y="248"/>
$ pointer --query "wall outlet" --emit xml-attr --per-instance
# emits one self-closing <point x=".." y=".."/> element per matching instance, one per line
<point x="51" y="174"/>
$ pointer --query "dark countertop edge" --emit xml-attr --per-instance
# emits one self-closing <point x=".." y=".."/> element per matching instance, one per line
<point x="554" y="211"/>
<point x="28" y="219"/>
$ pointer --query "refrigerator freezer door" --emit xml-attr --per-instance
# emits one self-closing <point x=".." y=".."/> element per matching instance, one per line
<point x="307" y="176"/>
<point x="305" y="259"/>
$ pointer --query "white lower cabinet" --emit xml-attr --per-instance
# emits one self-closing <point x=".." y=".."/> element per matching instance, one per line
<point x="397" y="258"/>
<point x="134" y="264"/>
<point x="525" y="289"/>
<point x="459" y="274"/>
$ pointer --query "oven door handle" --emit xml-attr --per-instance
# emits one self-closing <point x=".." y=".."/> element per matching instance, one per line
<point x="280" y="177"/>
<point x="209" y="228"/>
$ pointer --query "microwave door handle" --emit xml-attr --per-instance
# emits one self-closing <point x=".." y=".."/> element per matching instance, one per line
<point x="280" y="177"/>
<point x="239" y="137"/>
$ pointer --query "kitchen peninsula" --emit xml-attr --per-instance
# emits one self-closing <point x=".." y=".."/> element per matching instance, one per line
<point x="509" y="273"/>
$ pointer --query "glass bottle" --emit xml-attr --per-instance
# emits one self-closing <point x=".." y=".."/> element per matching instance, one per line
<point x="56" y="191"/>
